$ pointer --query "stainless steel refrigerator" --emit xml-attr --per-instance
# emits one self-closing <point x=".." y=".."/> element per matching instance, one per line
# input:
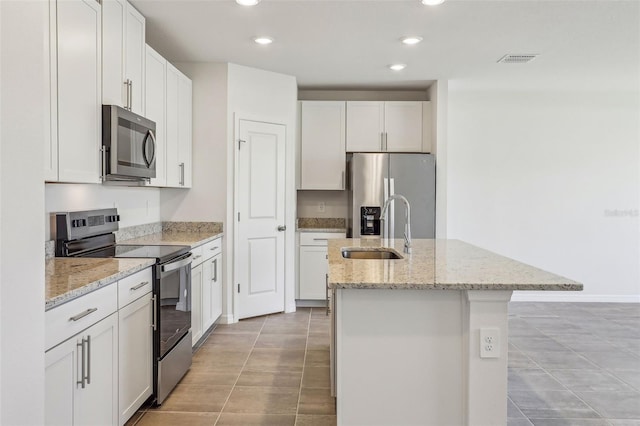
<point x="375" y="176"/>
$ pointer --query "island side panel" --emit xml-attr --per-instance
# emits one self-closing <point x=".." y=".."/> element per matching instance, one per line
<point x="399" y="357"/>
<point x="485" y="379"/>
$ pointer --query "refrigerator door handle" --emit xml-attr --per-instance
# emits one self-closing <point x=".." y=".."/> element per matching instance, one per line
<point x="392" y="209"/>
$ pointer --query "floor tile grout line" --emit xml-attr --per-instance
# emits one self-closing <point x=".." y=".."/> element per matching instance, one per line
<point x="241" y="371"/>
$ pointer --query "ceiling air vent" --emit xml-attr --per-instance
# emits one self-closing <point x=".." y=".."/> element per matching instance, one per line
<point x="517" y="59"/>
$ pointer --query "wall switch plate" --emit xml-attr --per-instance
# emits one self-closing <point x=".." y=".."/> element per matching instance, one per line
<point x="321" y="207"/>
<point x="489" y="343"/>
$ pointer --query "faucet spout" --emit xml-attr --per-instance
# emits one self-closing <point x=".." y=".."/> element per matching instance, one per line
<point x="407" y="218"/>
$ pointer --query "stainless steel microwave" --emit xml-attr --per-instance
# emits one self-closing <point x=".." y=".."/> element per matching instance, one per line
<point x="128" y="145"/>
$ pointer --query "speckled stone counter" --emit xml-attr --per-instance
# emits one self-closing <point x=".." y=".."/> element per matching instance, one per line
<point x="438" y="265"/>
<point x="321" y="224"/>
<point x="171" y="237"/>
<point x="67" y="278"/>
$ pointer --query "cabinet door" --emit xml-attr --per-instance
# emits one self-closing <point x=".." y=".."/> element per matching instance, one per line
<point x="113" y="44"/>
<point x="365" y="126"/>
<point x="185" y="129"/>
<point x="403" y="126"/>
<point x="155" y="100"/>
<point x="134" y="57"/>
<point x="97" y="402"/>
<point x="216" y="289"/>
<point x="135" y="356"/>
<point x="322" y="145"/>
<point x="196" y="303"/>
<point x="79" y="95"/>
<point x="174" y="170"/>
<point x="313" y="270"/>
<point x="207" y="294"/>
<point x="60" y="375"/>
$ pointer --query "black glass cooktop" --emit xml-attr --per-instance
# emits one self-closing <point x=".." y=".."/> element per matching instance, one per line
<point x="160" y="253"/>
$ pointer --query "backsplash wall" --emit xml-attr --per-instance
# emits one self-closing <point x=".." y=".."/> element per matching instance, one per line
<point x="136" y="206"/>
<point x="335" y="203"/>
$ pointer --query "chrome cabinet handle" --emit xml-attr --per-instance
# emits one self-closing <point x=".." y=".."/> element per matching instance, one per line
<point x="381" y="141"/>
<point x="83" y="365"/>
<point x="181" y="165"/>
<point x="215" y="270"/>
<point x="153" y="313"/>
<point x="386" y="141"/>
<point x="282" y="228"/>
<point x="126" y="95"/>
<point x="320" y="239"/>
<point x="214" y="248"/>
<point x="103" y="151"/>
<point x="197" y="257"/>
<point x="326" y="277"/>
<point x="139" y="286"/>
<point x="130" y="95"/>
<point x="83" y="314"/>
<point x="342" y="181"/>
<point x="88" y="360"/>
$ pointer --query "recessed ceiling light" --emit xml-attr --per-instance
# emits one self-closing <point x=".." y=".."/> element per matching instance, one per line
<point x="432" y="2"/>
<point x="263" y="40"/>
<point x="247" y="2"/>
<point x="397" y="67"/>
<point x="411" y="40"/>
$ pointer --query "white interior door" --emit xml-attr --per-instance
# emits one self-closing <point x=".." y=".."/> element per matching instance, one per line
<point x="260" y="218"/>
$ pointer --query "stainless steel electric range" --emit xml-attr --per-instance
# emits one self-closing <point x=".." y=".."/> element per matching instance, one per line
<point x="91" y="234"/>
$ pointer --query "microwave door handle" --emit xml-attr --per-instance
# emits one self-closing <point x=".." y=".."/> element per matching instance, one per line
<point x="144" y="148"/>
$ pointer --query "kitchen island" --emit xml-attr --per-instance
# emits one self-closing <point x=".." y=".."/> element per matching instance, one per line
<point x="422" y="340"/>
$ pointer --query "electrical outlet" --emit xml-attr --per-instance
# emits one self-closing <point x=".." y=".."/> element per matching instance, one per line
<point x="321" y="207"/>
<point x="489" y="343"/>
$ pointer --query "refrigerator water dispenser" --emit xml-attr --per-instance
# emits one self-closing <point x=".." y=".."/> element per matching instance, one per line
<point x="370" y="220"/>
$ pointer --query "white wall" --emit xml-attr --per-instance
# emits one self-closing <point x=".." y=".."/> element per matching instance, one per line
<point x="207" y="199"/>
<point x="536" y="175"/>
<point x="335" y="204"/>
<point x="23" y="95"/>
<point x="257" y="94"/>
<point x="136" y="206"/>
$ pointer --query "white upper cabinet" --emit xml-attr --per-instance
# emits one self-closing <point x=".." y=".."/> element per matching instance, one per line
<point x="123" y="31"/>
<point x="73" y="153"/>
<point x="391" y="126"/>
<point x="155" y="109"/>
<point x="365" y="126"/>
<point x="322" y="145"/>
<point x="178" y="128"/>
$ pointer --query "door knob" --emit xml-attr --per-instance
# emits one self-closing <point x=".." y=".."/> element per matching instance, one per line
<point x="282" y="228"/>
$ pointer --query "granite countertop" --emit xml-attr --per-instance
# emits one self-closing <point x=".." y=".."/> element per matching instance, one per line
<point x="437" y="265"/>
<point x="175" y="238"/>
<point x="67" y="278"/>
<point x="321" y="224"/>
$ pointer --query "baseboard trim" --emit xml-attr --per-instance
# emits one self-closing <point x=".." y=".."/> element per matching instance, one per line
<point x="550" y="296"/>
<point x="311" y="303"/>
<point x="225" y="319"/>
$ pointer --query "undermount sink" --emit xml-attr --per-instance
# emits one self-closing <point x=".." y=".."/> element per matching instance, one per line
<point x="378" y="253"/>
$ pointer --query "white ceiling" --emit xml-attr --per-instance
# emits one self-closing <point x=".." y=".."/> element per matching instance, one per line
<point x="349" y="44"/>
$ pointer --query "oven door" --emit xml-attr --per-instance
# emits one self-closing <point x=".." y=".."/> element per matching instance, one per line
<point x="173" y="298"/>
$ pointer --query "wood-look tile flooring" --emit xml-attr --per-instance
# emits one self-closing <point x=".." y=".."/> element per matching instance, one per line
<point x="271" y="370"/>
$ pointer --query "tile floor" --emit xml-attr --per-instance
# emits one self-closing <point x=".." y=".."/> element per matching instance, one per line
<point x="570" y="364"/>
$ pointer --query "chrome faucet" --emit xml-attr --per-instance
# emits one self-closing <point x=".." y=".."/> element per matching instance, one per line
<point x="407" y="218"/>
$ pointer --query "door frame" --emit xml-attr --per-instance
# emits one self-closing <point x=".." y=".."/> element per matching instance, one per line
<point x="232" y="214"/>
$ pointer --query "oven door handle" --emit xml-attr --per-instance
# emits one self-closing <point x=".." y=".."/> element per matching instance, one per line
<point x="184" y="261"/>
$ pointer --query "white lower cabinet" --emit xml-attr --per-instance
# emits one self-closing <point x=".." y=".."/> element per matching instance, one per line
<point x="206" y="287"/>
<point x="313" y="264"/>
<point x="81" y="377"/>
<point x="135" y="356"/>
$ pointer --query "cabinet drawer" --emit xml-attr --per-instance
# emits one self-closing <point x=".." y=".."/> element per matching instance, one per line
<point x="197" y="256"/>
<point x="73" y="317"/>
<point x="212" y="248"/>
<point x="318" y="238"/>
<point x="132" y="287"/>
